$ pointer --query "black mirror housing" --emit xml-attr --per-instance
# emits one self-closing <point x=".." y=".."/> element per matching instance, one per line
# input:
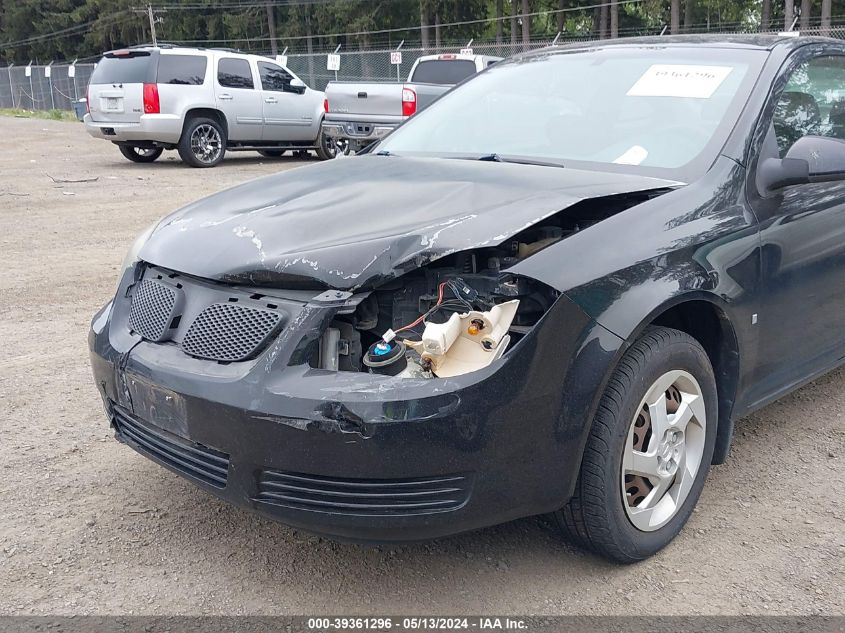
<point x="810" y="159"/>
<point x="825" y="157"/>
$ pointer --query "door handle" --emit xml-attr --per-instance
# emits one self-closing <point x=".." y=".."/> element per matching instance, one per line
<point x="225" y="96"/>
<point x="271" y="100"/>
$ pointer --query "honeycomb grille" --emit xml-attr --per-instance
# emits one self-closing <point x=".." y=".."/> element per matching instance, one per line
<point x="152" y="309"/>
<point x="229" y="332"/>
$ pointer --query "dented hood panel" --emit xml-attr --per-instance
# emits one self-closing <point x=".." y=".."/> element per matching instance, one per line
<point x="351" y="223"/>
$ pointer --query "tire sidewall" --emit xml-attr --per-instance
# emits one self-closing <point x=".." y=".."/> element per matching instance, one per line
<point x="682" y="355"/>
<point x="131" y="153"/>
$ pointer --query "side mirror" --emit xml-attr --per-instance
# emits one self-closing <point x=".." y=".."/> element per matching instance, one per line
<point x="810" y="159"/>
<point x="297" y="86"/>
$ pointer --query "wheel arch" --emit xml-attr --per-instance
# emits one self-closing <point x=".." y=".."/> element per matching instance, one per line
<point x="704" y="318"/>
<point x="211" y="113"/>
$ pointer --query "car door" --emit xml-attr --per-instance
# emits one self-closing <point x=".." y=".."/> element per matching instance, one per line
<point x="802" y="230"/>
<point x="288" y="112"/>
<point x="237" y="97"/>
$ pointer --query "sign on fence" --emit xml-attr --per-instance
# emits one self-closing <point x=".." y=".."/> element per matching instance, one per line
<point x="466" y="51"/>
<point x="48" y="71"/>
<point x="28" y="71"/>
<point x="282" y="59"/>
<point x="71" y="71"/>
<point x="395" y="57"/>
<point x="332" y="62"/>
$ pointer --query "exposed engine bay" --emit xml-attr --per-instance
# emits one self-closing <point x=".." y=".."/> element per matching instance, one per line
<point x="459" y="313"/>
<point x="454" y="316"/>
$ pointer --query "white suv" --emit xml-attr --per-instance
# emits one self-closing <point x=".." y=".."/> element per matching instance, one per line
<point x="202" y="102"/>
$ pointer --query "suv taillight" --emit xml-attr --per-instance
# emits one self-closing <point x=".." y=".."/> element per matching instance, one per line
<point x="325" y="105"/>
<point x="88" y="99"/>
<point x="409" y="102"/>
<point x="151" y="102"/>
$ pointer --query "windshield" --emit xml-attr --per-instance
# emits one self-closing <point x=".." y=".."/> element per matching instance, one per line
<point x="665" y="112"/>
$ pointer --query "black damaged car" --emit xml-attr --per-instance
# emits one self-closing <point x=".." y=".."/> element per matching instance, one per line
<point x="553" y="291"/>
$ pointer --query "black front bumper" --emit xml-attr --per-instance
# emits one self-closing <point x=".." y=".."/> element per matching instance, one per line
<point x="358" y="456"/>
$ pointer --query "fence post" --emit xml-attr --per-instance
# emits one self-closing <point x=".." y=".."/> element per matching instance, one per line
<point x="71" y="72"/>
<point x="48" y="71"/>
<point x="31" y="87"/>
<point x="11" y="86"/>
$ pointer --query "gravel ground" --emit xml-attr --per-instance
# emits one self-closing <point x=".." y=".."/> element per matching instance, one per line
<point x="90" y="527"/>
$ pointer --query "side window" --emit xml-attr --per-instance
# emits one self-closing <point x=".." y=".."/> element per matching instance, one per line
<point x="274" y="77"/>
<point x="185" y="70"/>
<point x="234" y="73"/>
<point x="812" y="103"/>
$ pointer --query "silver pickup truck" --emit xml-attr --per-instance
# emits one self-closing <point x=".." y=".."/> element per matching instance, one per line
<point x="360" y="113"/>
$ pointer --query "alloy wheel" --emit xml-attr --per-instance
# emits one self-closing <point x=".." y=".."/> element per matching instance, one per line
<point x="663" y="451"/>
<point x="206" y="143"/>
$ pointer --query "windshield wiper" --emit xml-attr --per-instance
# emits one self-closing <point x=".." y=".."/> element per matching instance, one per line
<point x="498" y="158"/>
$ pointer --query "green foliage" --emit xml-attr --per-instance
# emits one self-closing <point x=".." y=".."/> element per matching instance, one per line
<point x="85" y="28"/>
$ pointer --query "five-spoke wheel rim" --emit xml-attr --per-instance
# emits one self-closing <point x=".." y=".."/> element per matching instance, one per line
<point x="663" y="450"/>
<point x="206" y="143"/>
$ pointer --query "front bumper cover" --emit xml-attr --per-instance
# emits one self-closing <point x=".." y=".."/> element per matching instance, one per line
<point x="350" y="455"/>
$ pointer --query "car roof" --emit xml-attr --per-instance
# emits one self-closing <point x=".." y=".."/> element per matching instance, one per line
<point x="166" y="48"/>
<point x="757" y="41"/>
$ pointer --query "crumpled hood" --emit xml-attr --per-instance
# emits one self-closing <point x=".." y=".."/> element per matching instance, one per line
<point x="350" y="223"/>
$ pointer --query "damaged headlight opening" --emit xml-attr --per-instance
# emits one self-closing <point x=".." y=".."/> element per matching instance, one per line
<point x="452" y="317"/>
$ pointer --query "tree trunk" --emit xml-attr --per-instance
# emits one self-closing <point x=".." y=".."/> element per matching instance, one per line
<point x="806" y="12"/>
<point x="561" y="16"/>
<point x="595" y="30"/>
<point x="826" y="10"/>
<point x="788" y="14"/>
<point x="689" y="6"/>
<point x="514" y="23"/>
<point x="526" y="24"/>
<point x="424" y="25"/>
<point x="437" y="30"/>
<point x="614" y="18"/>
<point x="271" y="27"/>
<point x="675" y="17"/>
<point x="603" y="22"/>
<point x="500" y="12"/>
<point x="766" y="15"/>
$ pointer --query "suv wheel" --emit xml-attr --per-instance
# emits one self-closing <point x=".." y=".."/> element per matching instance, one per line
<point x="649" y="449"/>
<point x="140" y="154"/>
<point x="203" y="143"/>
<point x="326" y="147"/>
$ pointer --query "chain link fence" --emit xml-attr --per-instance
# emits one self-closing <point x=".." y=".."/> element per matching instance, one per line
<point x="43" y="87"/>
<point x="40" y="89"/>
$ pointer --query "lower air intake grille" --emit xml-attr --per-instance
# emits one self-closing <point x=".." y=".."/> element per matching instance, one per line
<point x="230" y="332"/>
<point x="363" y="496"/>
<point x="152" y="309"/>
<point x="194" y="460"/>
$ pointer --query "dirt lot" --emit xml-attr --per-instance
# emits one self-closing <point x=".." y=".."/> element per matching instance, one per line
<point x="90" y="527"/>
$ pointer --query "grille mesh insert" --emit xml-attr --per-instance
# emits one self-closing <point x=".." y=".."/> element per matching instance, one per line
<point x="152" y="309"/>
<point x="363" y="496"/>
<point x="229" y="332"/>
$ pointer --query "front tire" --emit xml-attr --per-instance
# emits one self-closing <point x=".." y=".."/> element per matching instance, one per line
<point x="139" y="154"/>
<point x="649" y="449"/>
<point x="203" y="142"/>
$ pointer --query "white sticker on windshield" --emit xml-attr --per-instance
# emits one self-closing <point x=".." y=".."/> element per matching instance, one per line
<point x="675" y="80"/>
<point x="633" y="156"/>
